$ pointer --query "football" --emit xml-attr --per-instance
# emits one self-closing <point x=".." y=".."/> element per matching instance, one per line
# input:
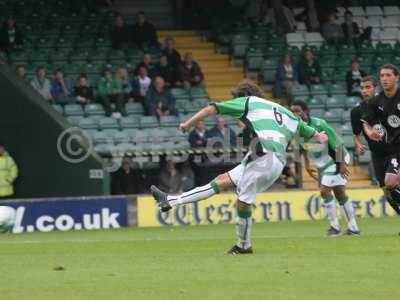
<point x="7" y="219"/>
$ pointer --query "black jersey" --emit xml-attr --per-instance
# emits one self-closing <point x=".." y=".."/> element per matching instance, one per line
<point x="357" y="113"/>
<point x="387" y="111"/>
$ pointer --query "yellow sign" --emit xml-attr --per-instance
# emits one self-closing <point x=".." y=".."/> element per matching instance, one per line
<point x="268" y="207"/>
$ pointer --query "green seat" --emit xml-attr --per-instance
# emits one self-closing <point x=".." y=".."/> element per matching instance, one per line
<point x="352" y="102"/>
<point x="98" y="56"/>
<point x="210" y="121"/>
<point x="239" y="45"/>
<point x="148" y="122"/>
<point x="94" y="109"/>
<point x="64" y="42"/>
<point x="326" y="75"/>
<point x="116" y="56"/>
<point x="105" y="149"/>
<point x="318" y="89"/>
<point x="381" y="60"/>
<point x="317" y="112"/>
<point x="169" y="121"/>
<point x="316" y="103"/>
<point x="134" y="109"/>
<point x="198" y="92"/>
<point x="193" y="106"/>
<point x="299" y="90"/>
<point x="108" y="123"/>
<point x="254" y="59"/>
<point x="336" y="101"/>
<point x="101" y="138"/>
<point x="348" y="142"/>
<point x="346" y="129"/>
<point x="58" y="108"/>
<point x="343" y="62"/>
<point x="129" y="122"/>
<point x="139" y="137"/>
<point x="333" y="116"/>
<point x="346" y="50"/>
<point x="121" y="137"/>
<point x="75" y="120"/>
<point x="273" y="52"/>
<point x="337" y="89"/>
<point x="159" y="135"/>
<point x="18" y="57"/>
<point x="327" y="51"/>
<point x="87" y="123"/>
<point x="366" y="49"/>
<point x="383" y="49"/>
<point x="59" y="57"/>
<point x="73" y="110"/>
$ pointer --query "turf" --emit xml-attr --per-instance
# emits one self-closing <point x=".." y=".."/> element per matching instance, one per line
<point x="291" y="261"/>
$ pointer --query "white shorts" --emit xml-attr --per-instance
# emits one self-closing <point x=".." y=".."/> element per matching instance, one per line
<point x="329" y="179"/>
<point x="256" y="176"/>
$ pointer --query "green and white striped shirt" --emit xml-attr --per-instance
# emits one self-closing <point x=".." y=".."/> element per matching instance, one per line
<point x="323" y="155"/>
<point x="274" y="125"/>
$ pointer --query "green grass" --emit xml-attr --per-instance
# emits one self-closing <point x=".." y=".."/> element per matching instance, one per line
<point x="291" y="261"/>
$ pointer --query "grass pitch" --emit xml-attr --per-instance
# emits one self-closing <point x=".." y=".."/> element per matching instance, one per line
<point x="291" y="261"/>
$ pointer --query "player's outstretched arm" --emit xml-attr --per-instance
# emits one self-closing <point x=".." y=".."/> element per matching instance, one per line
<point x="202" y="114"/>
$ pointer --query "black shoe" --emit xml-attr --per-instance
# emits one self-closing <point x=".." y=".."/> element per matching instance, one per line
<point x="351" y="232"/>
<point x="237" y="250"/>
<point x="332" y="231"/>
<point x="161" y="198"/>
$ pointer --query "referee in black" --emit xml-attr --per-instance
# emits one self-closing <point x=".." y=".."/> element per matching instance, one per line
<point x="385" y="109"/>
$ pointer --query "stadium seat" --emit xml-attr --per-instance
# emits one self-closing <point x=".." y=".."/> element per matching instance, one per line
<point x="390" y="22"/>
<point x="101" y="138"/>
<point x="121" y="137"/>
<point x="239" y="45"/>
<point x="301" y="27"/>
<point x="391" y="11"/>
<point x="73" y="110"/>
<point x="318" y="113"/>
<point x="346" y="116"/>
<point x="333" y="116"/>
<point x="58" y="108"/>
<point x="110" y="132"/>
<point x="313" y="39"/>
<point x="365" y="159"/>
<point x="373" y="11"/>
<point x="108" y="123"/>
<point x="374" y="22"/>
<point x="129" y="122"/>
<point x="254" y="59"/>
<point x="74" y="120"/>
<point x="336" y="101"/>
<point x="159" y="135"/>
<point x="337" y="89"/>
<point x="134" y="109"/>
<point x="180" y="93"/>
<point x="299" y="90"/>
<point x="316" y="103"/>
<point x="87" y="123"/>
<point x="295" y="39"/>
<point x="105" y="149"/>
<point x="389" y="35"/>
<point x="318" y="89"/>
<point x="357" y="11"/>
<point x="348" y="142"/>
<point x="93" y="109"/>
<point x="148" y="122"/>
<point x="169" y="121"/>
<point x="210" y="121"/>
<point x="198" y="92"/>
<point x="352" y="102"/>
<point x="346" y="129"/>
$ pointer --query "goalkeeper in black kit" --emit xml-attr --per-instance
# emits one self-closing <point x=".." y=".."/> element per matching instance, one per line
<point x="385" y="109"/>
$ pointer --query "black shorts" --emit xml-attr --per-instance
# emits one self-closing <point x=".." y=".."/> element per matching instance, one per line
<point x="385" y="164"/>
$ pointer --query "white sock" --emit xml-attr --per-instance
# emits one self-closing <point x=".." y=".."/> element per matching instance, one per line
<point x="349" y="214"/>
<point x="332" y="215"/>
<point x="197" y="194"/>
<point x="243" y="230"/>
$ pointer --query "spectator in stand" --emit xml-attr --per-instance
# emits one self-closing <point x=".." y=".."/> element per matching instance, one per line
<point x="351" y="30"/>
<point x="141" y="85"/>
<point x="109" y="90"/>
<point x="280" y="17"/>
<point x="144" y="33"/>
<point x="331" y="31"/>
<point x="83" y="92"/>
<point x="123" y="76"/>
<point x="62" y="88"/>
<point x="221" y="135"/>
<point x="170" y="179"/>
<point x="10" y="36"/>
<point x="146" y="62"/>
<point x="20" y="71"/>
<point x="167" y="72"/>
<point x="120" y="34"/>
<point x="309" y="69"/>
<point x="159" y="100"/>
<point x="197" y="137"/>
<point x="127" y="180"/>
<point x="173" y="56"/>
<point x="286" y="76"/>
<point x="8" y="173"/>
<point x="353" y="79"/>
<point x="42" y="84"/>
<point x="190" y="72"/>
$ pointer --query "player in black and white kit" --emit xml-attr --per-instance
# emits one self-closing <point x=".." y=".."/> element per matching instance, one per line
<point x="379" y="150"/>
<point x="385" y="108"/>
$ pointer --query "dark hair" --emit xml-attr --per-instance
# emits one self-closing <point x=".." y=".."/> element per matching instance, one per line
<point x="247" y="88"/>
<point x="301" y="103"/>
<point x="369" y="78"/>
<point x="348" y="13"/>
<point x="58" y="70"/>
<point x="390" y="67"/>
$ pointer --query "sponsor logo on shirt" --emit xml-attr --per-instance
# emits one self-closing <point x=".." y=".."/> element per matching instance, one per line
<point x="393" y="121"/>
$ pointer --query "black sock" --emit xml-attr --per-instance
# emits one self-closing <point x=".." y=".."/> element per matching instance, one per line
<point x="394" y="199"/>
